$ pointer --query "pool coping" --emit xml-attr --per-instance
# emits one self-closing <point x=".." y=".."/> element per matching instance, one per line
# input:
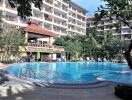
<point x="104" y="80"/>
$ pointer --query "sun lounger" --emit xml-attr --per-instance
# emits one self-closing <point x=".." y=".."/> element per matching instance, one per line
<point x="99" y="60"/>
<point x="104" y="60"/>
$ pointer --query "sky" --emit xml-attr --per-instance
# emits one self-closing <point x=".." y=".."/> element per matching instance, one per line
<point x="90" y="5"/>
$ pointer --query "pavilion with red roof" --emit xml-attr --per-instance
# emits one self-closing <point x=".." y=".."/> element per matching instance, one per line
<point x="40" y="41"/>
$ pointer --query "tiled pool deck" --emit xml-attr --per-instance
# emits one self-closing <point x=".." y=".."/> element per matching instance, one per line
<point x="16" y="90"/>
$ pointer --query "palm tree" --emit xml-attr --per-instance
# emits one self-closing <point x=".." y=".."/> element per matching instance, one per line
<point x="90" y="44"/>
<point x="72" y="46"/>
<point x="109" y="44"/>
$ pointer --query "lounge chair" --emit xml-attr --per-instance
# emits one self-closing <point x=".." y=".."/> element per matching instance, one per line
<point x="92" y="59"/>
<point x="104" y="60"/>
<point x="81" y="59"/>
<point x="99" y="60"/>
<point x="59" y="59"/>
<point x="88" y="59"/>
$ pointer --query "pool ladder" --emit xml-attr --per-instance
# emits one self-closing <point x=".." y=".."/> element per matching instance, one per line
<point x="26" y="72"/>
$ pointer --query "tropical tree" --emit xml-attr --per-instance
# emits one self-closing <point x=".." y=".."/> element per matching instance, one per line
<point x="110" y="44"/>
<point x="90" y="44"/>
<point x="24" y="6"/>
<point x="122" y="10"/>
<point x="103" y="45"/>
<point x="72" y="46"/>
<point x="59" y="41"/>
<point x="10" y="41"/>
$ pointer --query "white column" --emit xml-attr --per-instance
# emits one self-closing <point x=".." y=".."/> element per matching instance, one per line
<point x="68" y="18"/>
<point x="4" y="3"/>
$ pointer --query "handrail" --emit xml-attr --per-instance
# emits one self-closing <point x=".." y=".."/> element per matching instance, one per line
<point x="44" y="45"/>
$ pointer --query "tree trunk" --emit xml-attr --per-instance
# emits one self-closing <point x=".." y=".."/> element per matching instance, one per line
<point x="128" y="55"/>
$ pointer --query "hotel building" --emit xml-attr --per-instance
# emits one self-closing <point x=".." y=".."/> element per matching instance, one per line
<point x="56" y="18"/>
<point x="105" y="24"/>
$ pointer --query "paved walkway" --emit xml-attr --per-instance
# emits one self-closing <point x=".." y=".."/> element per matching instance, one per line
<point x="16" y="90"/>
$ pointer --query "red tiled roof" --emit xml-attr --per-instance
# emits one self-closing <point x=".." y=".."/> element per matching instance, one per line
<point x="90" y="17"/>
<point x="35" y="29"/>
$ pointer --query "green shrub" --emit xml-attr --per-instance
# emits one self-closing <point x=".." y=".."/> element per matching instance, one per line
<point x="8" y="61"/>
<point x="121" y="58"/>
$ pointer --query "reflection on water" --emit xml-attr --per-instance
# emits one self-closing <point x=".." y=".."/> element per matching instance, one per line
<point x="69" y="72"/>
<point x="125" y="78"/>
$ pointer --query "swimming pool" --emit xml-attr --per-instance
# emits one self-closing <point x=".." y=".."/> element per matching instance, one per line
<point x="66" y="72"/>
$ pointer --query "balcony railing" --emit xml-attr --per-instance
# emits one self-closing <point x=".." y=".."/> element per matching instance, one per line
<point x="57" y="30"/>
<point x="11" y="18"/>
<point x="58" y="5"/>
<point x="65" y="1"/>
<point x="58" y="22"/>
<point x="1" y="3"/>
<point x="65" y="9"/>
<point x="33" y="47"/>
<point x="49" y="1"/>
<point x="49" y="10"/>
<point x="9" y="7"/>
<point x="60" y="15"/>
<point x="48" y="27"/>
<point x="23" y="21"/>
<point x="38" y="16"/>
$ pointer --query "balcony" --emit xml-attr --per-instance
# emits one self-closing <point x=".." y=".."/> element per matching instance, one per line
<point x="73" y="22"/>
<point x="24" y="22"/>
<point x="72" y="28"/>
<point x="73" y="15"/>
<point x="9" y="7"/>
<point x="79" y="18"/>
<point x="64" y="23"/>
<point x="65" y="8"/>
<point x="126" y="36"/>
<point x="33" y="47"/>
<point x="1" y="3"/>
<point x="58" y="4"/>
<point x="57" y="22"/>
<point x="73" y="9"/>
<point x="64" y="32"/>
<point x="101" y="24"/>
<point x="65" y="1"/>
<point x="49" y="10"/>
<point x="48" y="17"/>
<point x="11" y="18"/>
<point x="49" y="1"/>
<point x="57" y="30"/>
<point x="81" y="13"/>
<point x="49" y="27"/>
<point x="64" y="16"/>
<point x="38" y="16"/>
<point x="60" y="23"/>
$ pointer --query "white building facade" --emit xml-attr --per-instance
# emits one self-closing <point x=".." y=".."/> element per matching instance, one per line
<point x="56" y="18"/>
<point x="105" y="24"/>
<point x="59" y="16"/>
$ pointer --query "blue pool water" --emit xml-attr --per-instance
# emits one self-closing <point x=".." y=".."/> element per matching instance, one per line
<point x="124" y="78"/>
<point x="68" y="72"/>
